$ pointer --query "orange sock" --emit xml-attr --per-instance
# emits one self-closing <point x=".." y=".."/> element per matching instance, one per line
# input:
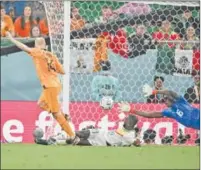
<point x="64" y="124"/>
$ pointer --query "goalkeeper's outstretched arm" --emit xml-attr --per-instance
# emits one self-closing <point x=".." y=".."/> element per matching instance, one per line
<point x="148" y="114"/>
<point x="126" y="107"/>
<point x="17" y="43"/>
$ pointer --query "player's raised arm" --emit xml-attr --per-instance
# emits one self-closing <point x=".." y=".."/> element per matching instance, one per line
<point x="17" y="43"/>
<point x="125" y="107"/>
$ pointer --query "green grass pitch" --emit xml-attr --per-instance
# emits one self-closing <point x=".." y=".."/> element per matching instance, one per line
<point x="31" y="156"/>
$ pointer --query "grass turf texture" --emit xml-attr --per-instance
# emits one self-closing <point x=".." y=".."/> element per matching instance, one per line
<point x="31" y="156"/>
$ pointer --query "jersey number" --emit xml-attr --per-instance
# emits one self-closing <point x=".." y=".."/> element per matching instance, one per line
<point x="108" y="86"/>
<point x="179" y="113"/>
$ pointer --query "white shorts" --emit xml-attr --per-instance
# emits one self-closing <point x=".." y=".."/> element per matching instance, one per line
<point x="97" y="137"/>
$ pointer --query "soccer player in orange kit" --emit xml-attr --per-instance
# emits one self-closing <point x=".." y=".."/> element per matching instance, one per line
<point x="6" y="23"/>
<point x="48" y="67"/>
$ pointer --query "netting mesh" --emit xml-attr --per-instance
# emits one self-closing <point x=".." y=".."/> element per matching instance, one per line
<point x="55" y="16"/>
<point x="145" y="42"/>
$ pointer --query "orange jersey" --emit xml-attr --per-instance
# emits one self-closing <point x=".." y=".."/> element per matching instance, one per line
<point x="26" y="32"/>
<point x="77" y="24"/>
<point x="7" y="25"/>
<point x="47" y="67"/>
<point x="43" y="27"/>
<point x="100" y="52"/>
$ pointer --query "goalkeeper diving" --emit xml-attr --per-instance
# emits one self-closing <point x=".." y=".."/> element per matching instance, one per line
<point x="178" y="108"/>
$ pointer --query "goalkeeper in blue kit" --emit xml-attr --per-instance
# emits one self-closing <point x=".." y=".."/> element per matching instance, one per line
<point x="178" y="108"/>
<point x="105" y="85"/>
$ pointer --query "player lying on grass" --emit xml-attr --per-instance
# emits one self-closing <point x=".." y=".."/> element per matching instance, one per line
<point x="58" y="139"/>
<point x="48" y="68"/>
<point x="178" y="108"/>
<point x="125" y="136"/>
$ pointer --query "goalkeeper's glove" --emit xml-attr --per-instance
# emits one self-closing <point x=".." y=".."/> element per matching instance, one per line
<point x="147" y="90"/>
<point x="125" y="107"/>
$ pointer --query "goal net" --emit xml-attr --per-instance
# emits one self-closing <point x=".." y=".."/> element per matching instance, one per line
<point x="145" y="42"/>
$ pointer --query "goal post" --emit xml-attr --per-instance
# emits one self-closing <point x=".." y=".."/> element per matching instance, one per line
<point x="107" y="30"/>
<point x="66" y="57"/>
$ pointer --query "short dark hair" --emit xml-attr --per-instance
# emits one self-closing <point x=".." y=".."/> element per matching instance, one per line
<point x="130" y="122"/>
<point x="159" y="77"/>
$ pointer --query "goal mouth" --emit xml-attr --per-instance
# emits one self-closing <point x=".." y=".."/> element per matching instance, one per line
<point x="101" y="31"/>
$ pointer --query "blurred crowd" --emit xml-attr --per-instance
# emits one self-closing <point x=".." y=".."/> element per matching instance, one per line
<point x="179" y="22"/>
<point x="24" y="25"/>
<point x="33" y="14"/>
<point x="132" y="39"/>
